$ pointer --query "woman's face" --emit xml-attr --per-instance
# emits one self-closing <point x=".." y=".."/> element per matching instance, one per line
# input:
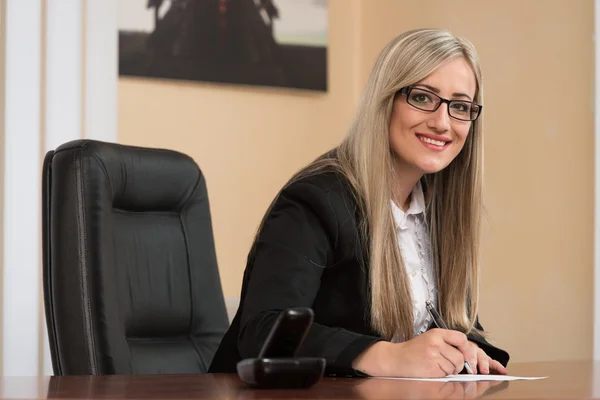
<point x="426" y="142"/>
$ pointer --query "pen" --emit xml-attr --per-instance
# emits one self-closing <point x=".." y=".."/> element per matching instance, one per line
<point x="437" y="319"/>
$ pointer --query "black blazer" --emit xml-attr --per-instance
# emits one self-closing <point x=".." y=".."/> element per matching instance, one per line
<point x="308" y="253"/>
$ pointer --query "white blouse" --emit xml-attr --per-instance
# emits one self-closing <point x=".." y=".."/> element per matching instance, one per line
<point x="413" y="239"/>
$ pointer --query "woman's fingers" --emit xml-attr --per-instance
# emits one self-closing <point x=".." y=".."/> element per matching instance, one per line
<point x="447" y="366"/>
<point x="473" y="357"/>
<point x="497" y="368"/>
<point x="483" y="362"/>
<point x="454" y="356"/>
<point x="489" y="366"/>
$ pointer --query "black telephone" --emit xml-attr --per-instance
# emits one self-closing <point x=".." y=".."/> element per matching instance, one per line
<point x="276" y="365"/>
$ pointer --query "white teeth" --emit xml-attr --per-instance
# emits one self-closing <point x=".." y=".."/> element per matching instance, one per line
<point x="431" y="141"/>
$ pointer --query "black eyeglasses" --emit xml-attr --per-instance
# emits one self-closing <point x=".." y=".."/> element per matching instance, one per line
<point x="426" y="100"/>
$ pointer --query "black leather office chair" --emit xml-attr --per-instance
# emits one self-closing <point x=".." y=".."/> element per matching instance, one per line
<point x="131" y="284"/>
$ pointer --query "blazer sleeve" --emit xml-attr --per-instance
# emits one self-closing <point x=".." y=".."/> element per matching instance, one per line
<point x="296" y="243"/>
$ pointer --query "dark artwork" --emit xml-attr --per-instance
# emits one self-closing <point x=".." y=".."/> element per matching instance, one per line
<point x="228" y="41"/>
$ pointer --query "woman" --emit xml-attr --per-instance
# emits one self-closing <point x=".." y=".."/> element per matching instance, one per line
<point x="389" y="220"/>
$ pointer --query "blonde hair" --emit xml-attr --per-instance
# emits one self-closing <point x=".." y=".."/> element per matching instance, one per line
<point x="453" y="195"/>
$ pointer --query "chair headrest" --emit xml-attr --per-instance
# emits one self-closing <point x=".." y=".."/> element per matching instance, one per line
<point x="140" y="179"/>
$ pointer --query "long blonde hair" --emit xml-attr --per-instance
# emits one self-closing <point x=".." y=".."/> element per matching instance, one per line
<point x="453" y="195"/>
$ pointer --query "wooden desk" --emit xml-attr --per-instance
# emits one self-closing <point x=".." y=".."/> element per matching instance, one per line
<point x="574" y="380"/>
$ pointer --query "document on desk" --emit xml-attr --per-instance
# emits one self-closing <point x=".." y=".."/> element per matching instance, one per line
<point x="470" y="378"/>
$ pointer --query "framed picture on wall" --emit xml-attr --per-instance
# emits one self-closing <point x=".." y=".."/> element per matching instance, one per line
<point x="281" y="43"/>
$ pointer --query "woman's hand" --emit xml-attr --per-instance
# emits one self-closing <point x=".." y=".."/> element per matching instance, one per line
<point x="434" y="354"/>
<point x="481" y="363"/>
<point x="485" y="364"/>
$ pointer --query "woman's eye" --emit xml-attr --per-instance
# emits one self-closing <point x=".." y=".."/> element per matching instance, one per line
<point x="461" y="107"/>
<point x="421" y="98"/>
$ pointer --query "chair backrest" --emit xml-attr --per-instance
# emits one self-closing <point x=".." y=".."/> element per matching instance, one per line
<point x="131" y="284"/>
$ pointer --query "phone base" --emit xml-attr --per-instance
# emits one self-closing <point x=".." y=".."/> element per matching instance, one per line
<point x="281" y="373"/>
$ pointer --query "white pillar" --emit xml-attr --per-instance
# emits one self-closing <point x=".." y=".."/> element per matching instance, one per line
<point x="67" y="94"/>
<point x="21" y="213"/>
<point x="63" y="91"/>
<point x="101" y="69"/>
<point x="64" y="63"/>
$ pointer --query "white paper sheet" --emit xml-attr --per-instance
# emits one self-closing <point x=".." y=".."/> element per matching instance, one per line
<point x="469" y="378"/>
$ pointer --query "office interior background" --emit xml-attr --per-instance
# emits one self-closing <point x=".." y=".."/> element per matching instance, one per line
<point x="539" y="299"/>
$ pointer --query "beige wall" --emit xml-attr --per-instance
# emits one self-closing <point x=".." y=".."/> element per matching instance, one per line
<point x="247" y="140"/>
<point x="537" y="254"/>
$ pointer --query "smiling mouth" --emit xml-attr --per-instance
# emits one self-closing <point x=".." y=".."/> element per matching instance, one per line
<point x="437" y="143"/>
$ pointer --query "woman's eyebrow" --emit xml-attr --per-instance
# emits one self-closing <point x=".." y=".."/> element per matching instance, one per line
<point x="437" y="91"/>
